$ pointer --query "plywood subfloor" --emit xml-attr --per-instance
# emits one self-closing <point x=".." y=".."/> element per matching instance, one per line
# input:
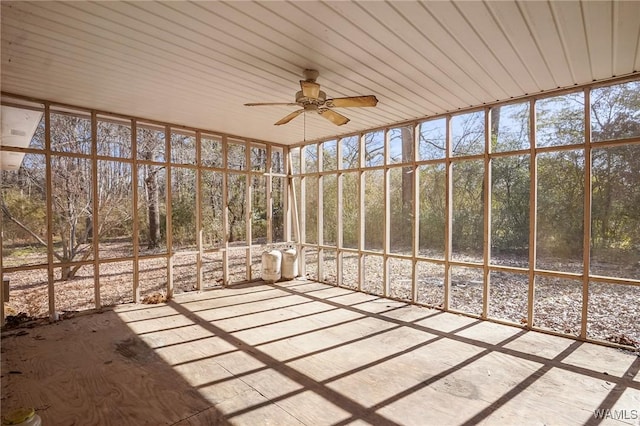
<point x="307" y="353"/>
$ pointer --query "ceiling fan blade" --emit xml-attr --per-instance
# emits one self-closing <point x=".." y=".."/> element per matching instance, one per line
<point x="354" y="101"/>
<point x="310" y="89"/>
<point x="289" y="117"/>
<point x="270" y="103"/>
<point x="334" y="117"/>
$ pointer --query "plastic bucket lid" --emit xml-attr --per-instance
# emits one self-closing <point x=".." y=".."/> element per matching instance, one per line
<point x="19" y="415"/>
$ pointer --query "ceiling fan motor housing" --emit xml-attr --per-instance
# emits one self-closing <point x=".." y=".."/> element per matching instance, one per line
<point x="304" y="100"/>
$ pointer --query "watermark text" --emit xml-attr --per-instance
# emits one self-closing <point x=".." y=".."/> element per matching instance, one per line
<point x="607" y="413"/>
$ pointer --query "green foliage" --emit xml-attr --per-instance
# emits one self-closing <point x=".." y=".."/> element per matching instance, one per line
<point x="374" y="210"/>
<point x="350" y="208"/>
<point x="183" y="221"/>
<point x="401" y="209"/>
<point x="330" y="155"/>
<point x="310" y="221"/>
<point x="30" y="210"/>
<point x="561" y="204"/>
<point x="278" y="216"/>
<point x="330" y="209"/>
<point x="25" y="251"/>
<point x="432" y="208"/>
<point x="615" y="217"/>
<point x="510" y="204"/>
<point x="259" y="210"/>
<point x="468" y="212"/>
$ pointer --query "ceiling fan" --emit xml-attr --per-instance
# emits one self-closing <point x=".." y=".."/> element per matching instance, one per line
<point x="311" y="98"/>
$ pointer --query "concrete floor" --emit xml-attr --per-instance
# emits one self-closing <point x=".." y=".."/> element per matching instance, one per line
<point x="308" y="353"/>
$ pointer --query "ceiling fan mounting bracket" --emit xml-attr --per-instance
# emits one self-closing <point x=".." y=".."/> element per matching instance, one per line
<point x="310" y="75"/>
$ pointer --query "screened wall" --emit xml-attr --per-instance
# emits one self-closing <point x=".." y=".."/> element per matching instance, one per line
<point x="104" y="209"/>
<point x="525" y="212"/>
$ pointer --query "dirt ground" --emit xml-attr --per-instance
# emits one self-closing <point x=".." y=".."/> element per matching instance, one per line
<point x="613" y="310"/>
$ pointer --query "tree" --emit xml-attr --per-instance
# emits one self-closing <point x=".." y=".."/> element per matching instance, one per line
<point x="211" y="199"/>
<point x="236" y="194"/>
<point x="510" y="179"/>
<point x="74" y="202"/>
<point x="183" y="190"/>
<point x="468" y="183"/>
<point x="615" y="114"/>
<point x="560" y="212"/>
<point x="150" y="145"/>
<point x="401" y="150"/>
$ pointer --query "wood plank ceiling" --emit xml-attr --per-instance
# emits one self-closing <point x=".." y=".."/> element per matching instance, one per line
<point x="196" y="64"/>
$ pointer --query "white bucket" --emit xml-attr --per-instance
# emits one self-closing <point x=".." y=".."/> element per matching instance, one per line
<point x="271" y="265"/>
<point x="289" y="264"/>
<point x="22" y="417"/>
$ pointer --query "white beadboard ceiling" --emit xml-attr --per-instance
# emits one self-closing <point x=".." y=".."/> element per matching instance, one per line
<point x="197" y="63"/>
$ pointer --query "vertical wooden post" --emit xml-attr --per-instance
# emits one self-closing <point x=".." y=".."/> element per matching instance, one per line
<point x="136" y="221"/>
<point x="448" y="217"/>
<point x="287" y="194"/>
<point x="487" y="213"/>
<point x="320" y="198"/>
<point x="302" y="215"/>
<point x="225" y="212"/>
<point x="339" y="207"/>
<point x="269" y="194"/>
<point x="415" y="241"/>
<point x="168" y="199"/>
<point x="586" y="255"/>
<point x="95" y="207"/>
<point x="294" y="205"/>
<point x="199" y="231"/>
<point x="49" y="181"/>
<point x="2" y="295"/>
<point x="361" y="213"/>
<point x="386" y="240"/>
<point x="533" y="208"/>
<point x="248" y="202"/>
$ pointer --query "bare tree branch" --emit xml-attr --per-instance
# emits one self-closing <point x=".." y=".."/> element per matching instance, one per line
<point x="10" y="217"/>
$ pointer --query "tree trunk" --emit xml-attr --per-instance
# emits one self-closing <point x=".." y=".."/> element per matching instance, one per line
<point x="495" y="128"/>
<point x="65" y="273"/>
<point x="153" y="204"/>
<point x="608" y="190"/>
<point x="407" y="180"/>
<point x="495" y="123"/>
<point x="89" y="229"/>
